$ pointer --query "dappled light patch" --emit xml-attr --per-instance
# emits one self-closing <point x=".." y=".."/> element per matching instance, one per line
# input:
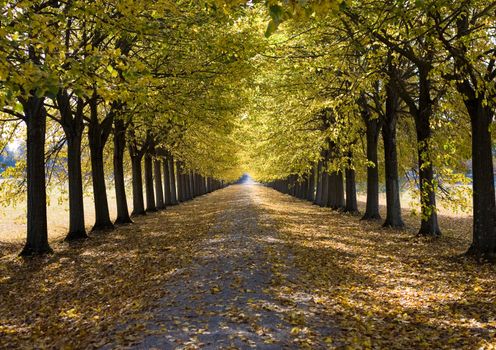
<point x="78" y="296"/>
<point x="385" y="288"/>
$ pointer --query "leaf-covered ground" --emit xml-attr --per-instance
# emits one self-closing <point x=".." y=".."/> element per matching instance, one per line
<point x="82" y="295"/>
<point x="249" y="267"/>
<point x="384" y="288"/>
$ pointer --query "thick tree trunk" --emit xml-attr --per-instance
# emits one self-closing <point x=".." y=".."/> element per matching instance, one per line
<point x="150" y="196"/>
<point x="77" y="229"/>
<point x="192" y="184"/>
<point x="351" y="198"/>
<point x="331" y="190"/>
<point x="339" y="190"/>
<point x="429" y="224"/>
<point x="119" y="182"/>
<point x="318" y="194"/>
<point x="98" y="135"/>
<point x="336" y="191"/>
<point x="372" y="206"/>
<point x="184" y="193"/>
<point x="393" y="204"/>
<point x="195" y="185"/>
<point x="72" y="123"/>
<point x="138" y="200"/>
<point x="159" y="190"/>
<point x="180" y="183"/>
<point x="187" y="183"/>
<point x="172" y="174"/>
<point x="73" y="126"/>
<point x="167" y="183"/>
<point x="102" y="216"/>
<point x="484" y="207"/>
<point x="189" y="187"/>
<point x="37" y="232"/>
<point x="311" y="185"/>
<point x="290" y="185"/>
<point x="325" y="186"/>
<point x="203" y="185"/>
<point x="304" y="187"/>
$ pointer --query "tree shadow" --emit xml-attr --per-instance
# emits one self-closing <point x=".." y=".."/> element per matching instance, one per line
<point x="399" y="290"/>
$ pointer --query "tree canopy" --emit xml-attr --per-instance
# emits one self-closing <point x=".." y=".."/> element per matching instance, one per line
<point x="329" y="95"/>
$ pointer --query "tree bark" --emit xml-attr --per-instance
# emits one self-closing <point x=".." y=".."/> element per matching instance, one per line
<point x="311" y="184"/>
<point x="167" y="184"/>
<point x="73" y="126"/>
<point x="172" y="174"/>
<point x="318" y="194"/>
<point x="180" y="183"/>
<point x="372" y="132"/>
<point x="429" y="224"/>
<point x="189" y="184"/>
<point x="77" y="229"/>
<point x="37" y="231"/>
<point x="119" y="182"/>
<point x="150" y="196"/>
<point x="393" y="204"/>
<point x="484" y="208"/>
<point x="138" y="200"/>
<point x="98" y="135"/>
<point x="102" y="216"/>
<point x="325" y="186"/>
<point x="304" y="187"/>
<point x="351" y="198"/>
<point x="159" y="190"/>
<point x="339" y="190"/>
<point x="336" y="191"/>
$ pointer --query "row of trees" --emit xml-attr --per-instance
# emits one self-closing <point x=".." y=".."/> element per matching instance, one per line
<point x="105" y="88"/>
<point x="335" y="82"/>
<point x="344" y="80"/>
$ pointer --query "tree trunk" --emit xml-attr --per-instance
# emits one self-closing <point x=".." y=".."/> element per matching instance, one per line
<point x="159" y="190"/>
<point x="180" y="183"/>
<point x="336" y="191"/>
<point x="339" y="191"/>
<point x="189" y="185"/>
<point x="311" y="185"/>
<point x="72" y="123"/>
<point x="138" y="200"/>
<point x="429" y="224"/>
<point x="77" y="229"/>
<point x="119" y="182"/>
<point x="318" y="194"/>
<point x="102" y="217"/>
<point x="172" y="174"/>
<point x="37" y="232"/>
<point x="325" y="186"/>
<point x="331" y="190"/>
<point x="484" y="207"/>
<point x="372" y="206"/>
<point x="150" y="196"/>
<point x="393" y="204"/>
<point x="167" y="184"/>
<point x="351" y="198"/>
<point x="98" y="134"/>
<point x="304" y="187"/>
<point x="202" y="186"/>
<point x="195" y="185"/>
